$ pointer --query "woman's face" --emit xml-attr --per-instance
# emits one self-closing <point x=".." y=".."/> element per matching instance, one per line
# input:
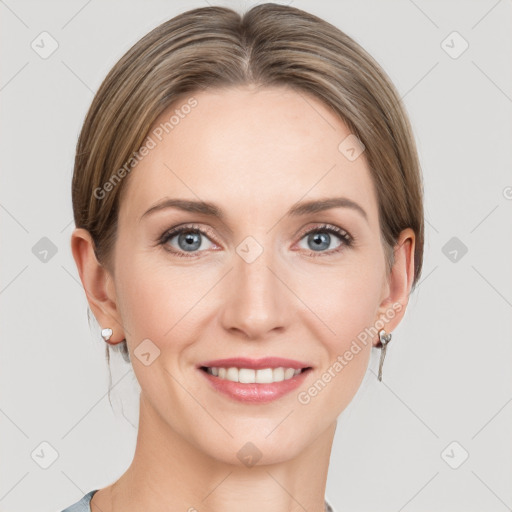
<point x="254" y="282"/>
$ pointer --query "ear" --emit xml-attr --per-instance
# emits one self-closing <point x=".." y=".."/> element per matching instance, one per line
<point x="98" y="284"/>
<point x="397" y="288"/>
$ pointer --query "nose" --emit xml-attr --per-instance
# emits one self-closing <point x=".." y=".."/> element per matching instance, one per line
<point x="256" y="302"/>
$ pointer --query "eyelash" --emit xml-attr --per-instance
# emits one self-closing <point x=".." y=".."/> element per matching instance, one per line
<point x="343" y="235"/>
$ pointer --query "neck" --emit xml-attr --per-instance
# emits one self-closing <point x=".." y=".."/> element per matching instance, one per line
<point x="169" y="474"/>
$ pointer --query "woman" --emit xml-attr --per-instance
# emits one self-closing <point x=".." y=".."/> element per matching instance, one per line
<point x="249" y="224"/>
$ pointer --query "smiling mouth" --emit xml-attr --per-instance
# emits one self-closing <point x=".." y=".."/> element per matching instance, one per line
<point x="252" y="376"/>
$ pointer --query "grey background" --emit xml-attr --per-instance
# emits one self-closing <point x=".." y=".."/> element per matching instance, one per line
<point x="447" y="375"/>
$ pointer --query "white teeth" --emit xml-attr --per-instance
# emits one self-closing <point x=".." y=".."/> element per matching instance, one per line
<point x="232" y="374"/>
<point x="289" y="372"/>
<point x="278" y="374"/>
<point x="245" y="375"/>
<point x="251" y="376"/>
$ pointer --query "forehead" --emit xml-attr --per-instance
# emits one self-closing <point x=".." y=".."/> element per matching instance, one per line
<point x="248" y="149"/>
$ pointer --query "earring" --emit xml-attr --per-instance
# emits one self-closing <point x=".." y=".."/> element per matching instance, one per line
<point x="106" y="333"/>
<point x="384" y="338"/>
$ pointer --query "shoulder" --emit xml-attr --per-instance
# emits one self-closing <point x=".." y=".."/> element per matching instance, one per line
<point x="328" y="506"/>
<point x="83" y="505"/>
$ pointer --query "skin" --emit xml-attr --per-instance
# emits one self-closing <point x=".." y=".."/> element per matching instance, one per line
<point x="255" y="153"/>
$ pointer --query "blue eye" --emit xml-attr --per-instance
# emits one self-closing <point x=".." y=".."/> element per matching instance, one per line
<point x="190" y="239"/>
<point x="320" y="238"/>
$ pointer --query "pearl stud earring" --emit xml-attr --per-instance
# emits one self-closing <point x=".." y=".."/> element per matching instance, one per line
<point x="106" y="333"/>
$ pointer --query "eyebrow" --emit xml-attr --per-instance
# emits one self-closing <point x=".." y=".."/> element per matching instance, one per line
<point x="299" y="209"/>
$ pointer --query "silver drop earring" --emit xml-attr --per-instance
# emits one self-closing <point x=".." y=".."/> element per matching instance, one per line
<point x="384" y="338"/>
<point x="106" y="333"/>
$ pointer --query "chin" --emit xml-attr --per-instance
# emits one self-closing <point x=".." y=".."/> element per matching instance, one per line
<point x="257" y="449"/>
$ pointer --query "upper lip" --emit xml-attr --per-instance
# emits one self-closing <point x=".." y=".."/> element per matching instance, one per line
<point x="256" y="364"/>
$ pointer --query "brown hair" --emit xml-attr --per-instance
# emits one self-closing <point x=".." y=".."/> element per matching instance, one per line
<point x="269" y="45"/>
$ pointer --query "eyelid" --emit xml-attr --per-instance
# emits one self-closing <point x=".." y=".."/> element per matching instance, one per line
<point x="347" y="241"/>
<point x="322" y="226"/>
<point x="346" y="238"/>
<point x="179" y="228"/>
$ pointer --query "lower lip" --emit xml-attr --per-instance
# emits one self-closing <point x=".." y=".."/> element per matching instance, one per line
<point x="256" y="393"/>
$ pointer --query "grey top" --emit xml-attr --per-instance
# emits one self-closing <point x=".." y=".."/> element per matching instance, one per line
<point x="84" y="504"/>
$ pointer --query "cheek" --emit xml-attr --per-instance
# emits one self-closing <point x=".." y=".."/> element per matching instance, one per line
<point x="348" y="307"/>
<point x="156" y="300"/>
<point x="161" y="300"/>
<point x="344" y="300"/>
